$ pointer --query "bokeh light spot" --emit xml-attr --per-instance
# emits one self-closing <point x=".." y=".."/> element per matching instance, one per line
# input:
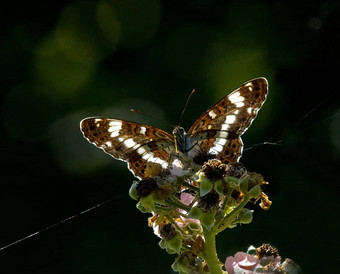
<point x="57" y="72"/>
<point x="232" y="65"/>
<point x="87" y="32"/>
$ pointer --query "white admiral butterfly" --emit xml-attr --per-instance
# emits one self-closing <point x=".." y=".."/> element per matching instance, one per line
<point x="216" y="134"/>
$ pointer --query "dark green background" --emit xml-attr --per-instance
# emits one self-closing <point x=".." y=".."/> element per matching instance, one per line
<point x="61" y="62"/>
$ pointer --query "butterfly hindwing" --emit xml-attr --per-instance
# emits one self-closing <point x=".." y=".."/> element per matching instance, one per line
<point x="218" y="130"/>
<point x="146" y="149"/>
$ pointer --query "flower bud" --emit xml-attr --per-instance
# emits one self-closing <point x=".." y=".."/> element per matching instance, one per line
<point x="146" y="186"/>
<point x="187" y="262"/>
<point x="214" y="169"/>
<point x="148" y="203"/>
<point x="133" y="191"/>
<point x="266" y="250"/>
<point x="235" y="170"/>
<point x="210" y="202"/>
<point x="173" y="245"/>
<point x="167" y="231"/>
<point x="265" y="202"/>
<point x="194" y="226"/>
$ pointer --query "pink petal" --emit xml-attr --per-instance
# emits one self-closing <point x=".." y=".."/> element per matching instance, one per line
<point x="246" y="264"/>
<point x="186" y="198"/>
<point x="230" y="263"/>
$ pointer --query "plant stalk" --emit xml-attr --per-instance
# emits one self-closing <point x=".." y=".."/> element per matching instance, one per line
<point x="210" y="255"/>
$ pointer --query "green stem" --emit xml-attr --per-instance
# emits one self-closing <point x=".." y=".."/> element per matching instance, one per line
<point x="177" y="205"/>
<point x="175" y="223"/>
<point x="196" y="189"/>
<point x="210" y="255"/>
<point x="226" y="199"/>
<point x="232" y="215"/>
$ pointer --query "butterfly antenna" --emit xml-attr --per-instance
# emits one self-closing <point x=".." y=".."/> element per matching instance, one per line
<point x="56" y="224"/>
<point x="270" y="144"/>
<point x="186" y="104"/>
<point x="152" y="117"/>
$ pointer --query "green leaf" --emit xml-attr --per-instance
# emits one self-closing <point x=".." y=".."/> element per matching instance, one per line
<point x="175" y="243"/>
<point x="142" y="208"/>
<point x="205" y="186"/>
<point x="208" y="219"/>
<point x="219" y="187"/>
<point x="244" y="184"/>
<point x="195" y="213"/>
<point x="148" y="203"/>
<point x="255" y="192"/>
<point x="246" y="216"/>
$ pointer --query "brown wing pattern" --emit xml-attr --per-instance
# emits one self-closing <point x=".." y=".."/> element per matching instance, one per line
<point x="146" y="149"/>
<point x="218" y="130"/>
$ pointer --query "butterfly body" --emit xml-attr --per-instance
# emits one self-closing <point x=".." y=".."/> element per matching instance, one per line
<point x="182" y="140"/>
<point x="216" y="134"/>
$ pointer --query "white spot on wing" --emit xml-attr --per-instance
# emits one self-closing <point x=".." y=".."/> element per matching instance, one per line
<point x="129" y="143"/>
<point x="212" y="114"/>
<point x="249" y="85"/>
<point x="115" y="134"/>
<point x="223" y="134"/>
<point x="141" y="151"/>
<point x="236" y="97"/>
<point x="230" y="119"/>
<point x="108" y="144"/>
<point x="239" y="104"/>
<point x="249" y="110"/>
<point x="146" y="156"/>
<point x="115" y="126"/>
<point x="220" y="141"/>
<point x="142" y="130"/>
<point x="225" y="126"/>
<point x="218" y="145"/>
<point x="112" y="129"/>
<point x="150" y="158"/>
<point x="115" y="123"/>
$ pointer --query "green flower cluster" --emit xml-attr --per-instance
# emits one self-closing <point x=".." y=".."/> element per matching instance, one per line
<point x="190" y="205"/>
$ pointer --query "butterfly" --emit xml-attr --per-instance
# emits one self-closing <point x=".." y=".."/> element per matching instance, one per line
<point x="149" y="151"/>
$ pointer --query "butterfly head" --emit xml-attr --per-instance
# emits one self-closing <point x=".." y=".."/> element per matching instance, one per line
<point x="180" y="138"/>
<point x="179" y="132"/>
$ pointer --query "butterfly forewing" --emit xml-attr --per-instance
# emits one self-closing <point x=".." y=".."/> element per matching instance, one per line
<point x="218" y="130"/>
<point x="146" y="149"/>
<point x="149" y="151"/>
